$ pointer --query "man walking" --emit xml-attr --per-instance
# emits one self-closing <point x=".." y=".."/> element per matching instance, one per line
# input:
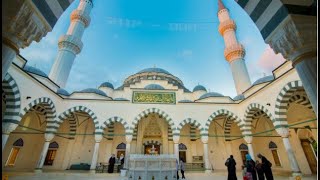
<point x="112" y="160"/>
<point x="231" y="164"/>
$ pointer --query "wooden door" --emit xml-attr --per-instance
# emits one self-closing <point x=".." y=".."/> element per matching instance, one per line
<point x="305" y="143"/>
<point x="243" y="156"/>
<point x="182" y="154"/>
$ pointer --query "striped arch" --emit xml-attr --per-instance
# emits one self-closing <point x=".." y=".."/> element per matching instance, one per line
<point x="282" y="103"/>
<point x="301" y="99"/>
<point x="254" y="111"/>
<point x="12" y="100"/>
<point x="68" y="114"/>
<point x="135" y="133"/>
<point x="110" y="124"/>
<point x="149" y="111"/>
<point x="194" y="125"/>
<point x="48" y="109"/>
<point x="231" y="117"/>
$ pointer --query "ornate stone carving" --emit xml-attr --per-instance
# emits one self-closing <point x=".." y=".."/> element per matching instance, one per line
<point x="248" y="139"/>
<point x="283" y="132"/>
<point x="48" y="136"/>
<point x="98" y="138"/>
<point x="176" y="139"/>
<point x="222" y="11"/>
<point x="80" y="16"/>
<point x="21" y="24"/>
<point x="204" y="139"/>
<point x="154" y="97"/>
<point x="227" y="25"/>
<point x="234" y="52"/>
<point x="70" y="43"/>
<point x="129" y="138"/>
<point x="294" y="37"/>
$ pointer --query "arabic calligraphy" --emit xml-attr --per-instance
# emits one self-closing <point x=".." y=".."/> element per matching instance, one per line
<point x="154" y="97"/>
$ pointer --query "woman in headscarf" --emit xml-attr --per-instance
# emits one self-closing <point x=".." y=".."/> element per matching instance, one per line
<point x="250" y="165"/>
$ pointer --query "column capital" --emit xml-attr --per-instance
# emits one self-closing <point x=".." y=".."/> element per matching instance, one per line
<point x="295" y="37"/>
<point x="48" y="136"/>
<point x="283" y="132"/>
<point x="98" y="138"/>
<point x="175" y="139"/>
<point x="7" y="128"/>
<point x="129" y="138"/>
<point x="205" y="139"/>
<point x="248" y="139"/>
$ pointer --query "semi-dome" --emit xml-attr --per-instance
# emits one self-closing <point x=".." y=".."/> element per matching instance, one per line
<point x="106" y="84"/>
<point x="238" y="97"/>
<point x="199" y="88"/>
<point x="154" y="87"/>
<point x="154" y="70"/>
<point x="263" y="80"/>
<point x="93" y="90"/>
<point x="34" y="70"/>
<point x="62" y="92"/>
<point x="211" y="94"/>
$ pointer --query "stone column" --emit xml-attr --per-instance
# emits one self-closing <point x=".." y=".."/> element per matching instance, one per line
<point x="248" y="139"/>
<point x="21" y="24"/>
<point x="7" y="128"/>
<point x="98" y="138"/>
<point x="296" y="39"/>
<point x="204" y="140"/>
<point x="48" y="137"/>
<point x="284" y="133"/>
<point x="176" y="139"/>
<point x="126" y="160"/>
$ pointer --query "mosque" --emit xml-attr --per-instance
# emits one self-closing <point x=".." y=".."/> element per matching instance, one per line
<point x="44" y="127"/>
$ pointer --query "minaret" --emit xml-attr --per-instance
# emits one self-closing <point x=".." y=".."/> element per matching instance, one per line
<point x="234" y="52"/>
<point x="70" y="44"/>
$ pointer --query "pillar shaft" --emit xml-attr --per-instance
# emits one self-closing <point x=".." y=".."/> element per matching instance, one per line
<point x="250" y="148"/>
<point x="176" y="150"/>
<point x="43" y="155"/>
<point x="95" y="156"/>
<point x="4" y="140"/>
<point x="206" y="156"/>
<point x="126" y="158"/>
<point x="292" y="159"/>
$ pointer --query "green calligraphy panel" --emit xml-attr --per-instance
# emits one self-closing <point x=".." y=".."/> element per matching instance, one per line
<point x="154" y="97"/>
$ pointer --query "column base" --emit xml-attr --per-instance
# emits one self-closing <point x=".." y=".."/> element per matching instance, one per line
<point x="92" y="171"/>
<point x="123" y="172"/>
<point x="38" y="170"/>
<point x="207" y="171"/>
<point x="296" y="176"/>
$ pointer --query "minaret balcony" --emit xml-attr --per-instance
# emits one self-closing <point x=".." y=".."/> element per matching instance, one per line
<point x="227" y="25"/>
<point x="70" y="43"/>
<point x="80" y="16"/>
<point x="234" y="52"/>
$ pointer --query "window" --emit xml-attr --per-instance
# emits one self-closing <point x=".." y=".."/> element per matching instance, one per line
<point x="51" y="154"/>
<point x="14" y="152"/>
<point x="273" y="147"/>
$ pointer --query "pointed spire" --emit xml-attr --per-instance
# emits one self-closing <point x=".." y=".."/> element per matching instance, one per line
<point x="220" y="5"/>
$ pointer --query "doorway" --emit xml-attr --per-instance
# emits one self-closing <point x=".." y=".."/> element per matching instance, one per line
<point x="183" y="155"/>
<point x="306" y="146"/>
<point x="147" y="149"/>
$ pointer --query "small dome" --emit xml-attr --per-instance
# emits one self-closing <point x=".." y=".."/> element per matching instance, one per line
<point x="154" y="70"/>
<point x="199" y="88"/>
<point x="211" y="94"/>
<point x="93" y="90"/>
<point x="154" y="87"/>
<point x="63" y="92"/>
<point x="185" y="100"/>
<point x="106" y="84"/>
<point x="120" y="99"/>
<point x="263" y="80"/>
<point x="34" y="70"/>
<point x="239" y="97"/>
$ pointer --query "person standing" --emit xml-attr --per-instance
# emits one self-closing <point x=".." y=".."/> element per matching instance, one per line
<point x="112" y="160"/>
<point x="259" y="170"/>
<point x="121" y="159"/>
<point x="251" y="165"/>
<point x="266" y="167"/>
<point x="182" y="168"/>
<point x="231" y="164"/>
<point x="177" y="166"/>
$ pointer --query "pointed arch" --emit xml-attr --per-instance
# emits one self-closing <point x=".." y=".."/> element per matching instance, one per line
<point x="113" y="120"/>
<point x="156" y="111"/>
<point x="231" y="117"/>
<point x="68" y="114"/>
<point x="12" y="101"/>
<point x="18" y="143"/>
<point x="282" y="103"/>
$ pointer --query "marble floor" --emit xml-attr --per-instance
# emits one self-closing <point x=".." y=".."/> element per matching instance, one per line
<point x="87" y="176"/>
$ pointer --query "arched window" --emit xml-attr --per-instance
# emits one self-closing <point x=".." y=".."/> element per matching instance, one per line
<point x="182" y="147"/>
<point x="121" y="146"/>
<point x="273" y="147"/>
<point x="183" y="151"/>
<point x="51" y="154"/>
<point x="243" y="151"/>
<point x="17" y="145"/>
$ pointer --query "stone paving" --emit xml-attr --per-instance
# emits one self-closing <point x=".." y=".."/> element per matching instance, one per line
<point x="88" y="176"/>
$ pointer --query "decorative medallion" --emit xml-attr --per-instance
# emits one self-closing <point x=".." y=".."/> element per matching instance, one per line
<point x="154" y="97"/>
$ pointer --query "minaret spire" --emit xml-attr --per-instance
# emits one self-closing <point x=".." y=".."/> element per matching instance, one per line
<point x="234" y="52"/>
<point x="70" y="44"/>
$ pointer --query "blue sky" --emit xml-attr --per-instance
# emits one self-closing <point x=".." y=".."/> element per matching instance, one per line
<point x="180" y="36"/>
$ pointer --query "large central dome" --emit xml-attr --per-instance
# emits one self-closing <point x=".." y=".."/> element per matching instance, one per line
<point x="154" y="70"/>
